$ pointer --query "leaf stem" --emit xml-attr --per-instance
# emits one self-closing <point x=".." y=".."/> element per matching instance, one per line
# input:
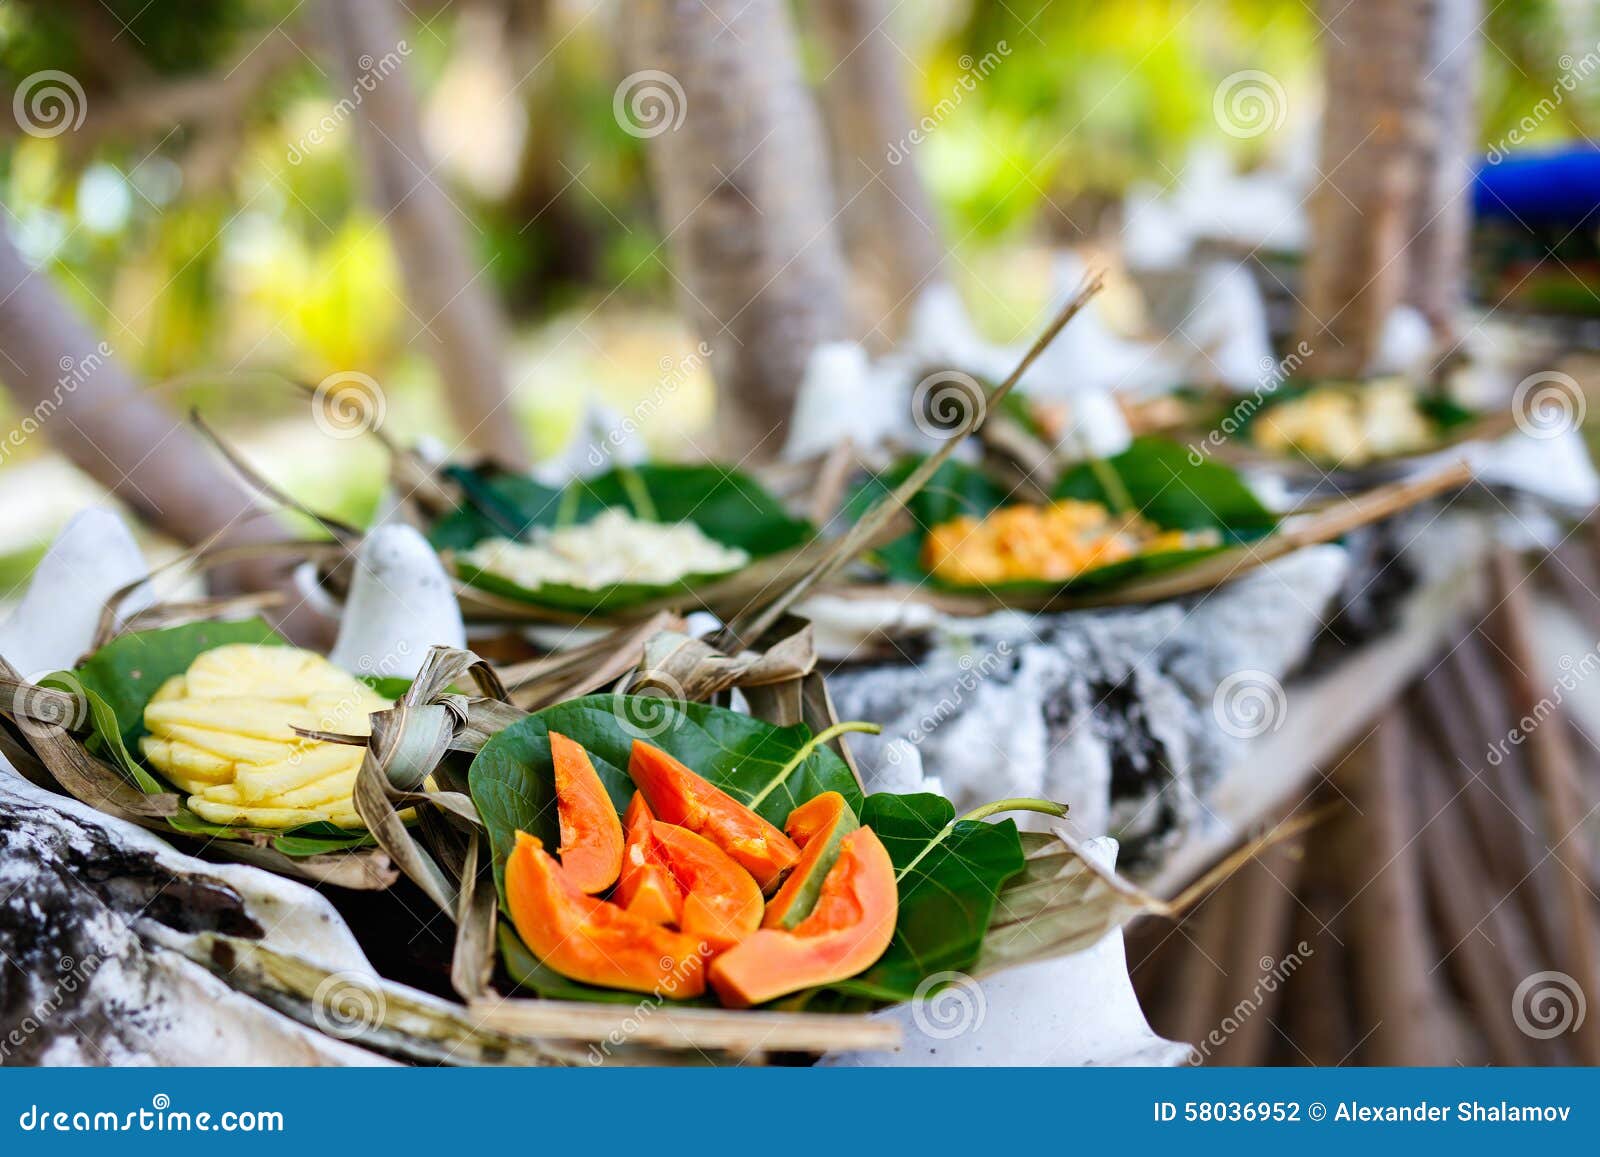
<point x="567" y="510"/>
<point x="1111" y="482"/>
<point x="1118" y="496"/>
<point x="638" y="495"/>
<point x="1017" y="803"/>
<point x="827" y="735"/>
<point x="1012" y="804"/>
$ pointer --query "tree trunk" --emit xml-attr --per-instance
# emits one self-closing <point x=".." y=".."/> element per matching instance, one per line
<point x="742" y="179"/>
<point x="74" y="392"/>
<point x="449" y="297"/>
<point x="890" y="228"/>
<point x="545" y="204"/>
<point x="1376" y="53"/>
<point x="1443" y="224"/>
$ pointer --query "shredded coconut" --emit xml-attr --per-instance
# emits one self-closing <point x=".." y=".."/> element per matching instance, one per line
<point x="612" y="548"/>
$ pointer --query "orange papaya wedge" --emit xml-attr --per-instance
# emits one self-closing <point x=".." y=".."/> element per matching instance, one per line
<point x="591" y="940"/>
<point x="645" y="886"/>
<point x="850" y="926"/>
<point x="591" y="834"/>
<point x="818" y="826"/>
<point x="678" y="796"/>
<point x="721" y="902"/>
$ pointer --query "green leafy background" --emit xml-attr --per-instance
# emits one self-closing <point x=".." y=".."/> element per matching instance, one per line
<point x="945" y="901"/>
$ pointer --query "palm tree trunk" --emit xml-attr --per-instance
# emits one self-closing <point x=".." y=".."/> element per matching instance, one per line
<point x="74" y="392"/>
<point x="1443" y="227"/>
<point x="741" y="177"/>
<point x="890" y="228"/>
<point x="1363" y="209"/>
<point x="449" y="293"/>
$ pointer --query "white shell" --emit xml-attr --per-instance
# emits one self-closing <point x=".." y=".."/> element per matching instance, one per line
<point x="1078" y="1010"/>
<point x="400" y="604"/>
<point x="54" y="624"/>
<point x="185" y="1015"/>
<point x="843" y="396"/>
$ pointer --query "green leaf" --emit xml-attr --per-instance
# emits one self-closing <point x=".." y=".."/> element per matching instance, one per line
<point x="955" y="489"/>
<point x="1177" y="493"/>
<point x="729" y="506"/>
<point x="391" y="687"/>
<point x="1446" y="413"/>
<point x="956" y="869"/>
<point x="952" y="873"/>
<point x="320" y="840"/>
<point x="1168" y="489"/>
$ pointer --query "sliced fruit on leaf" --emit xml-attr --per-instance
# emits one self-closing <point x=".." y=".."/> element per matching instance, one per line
<point x="819" y="826"/>
<point x="679" y="796"/>
<point x="591" y="834"/>
<point x="591" y="940"/>
<point x="727" y="505"/>
<point x="848" y="929"/>
<point x="645" y="886"/>
<point x="1165" y="487"/>
<point x="721" y="901"/>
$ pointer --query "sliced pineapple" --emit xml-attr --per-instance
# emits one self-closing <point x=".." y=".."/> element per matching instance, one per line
<point x="262" y="782"/>
<point x="185" y="765"/>
<point x="224" y="731"/>
<point x="269" y="817"/>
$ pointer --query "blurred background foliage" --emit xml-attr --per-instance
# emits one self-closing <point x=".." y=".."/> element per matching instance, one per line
<point x="231" y="239"/>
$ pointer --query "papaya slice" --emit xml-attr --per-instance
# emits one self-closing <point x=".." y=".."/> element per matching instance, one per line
<point x="591" y="940"/>
<point x="721" y="902"/>
<point x="645" y="886"/>
<point x="678" y="796"/>
<point x="850" y="926"/>
<point x="591" y="834"/>
<point x="818" y="826"/>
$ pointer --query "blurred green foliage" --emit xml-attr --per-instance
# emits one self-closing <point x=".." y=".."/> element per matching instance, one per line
<point x="231" y="244"/>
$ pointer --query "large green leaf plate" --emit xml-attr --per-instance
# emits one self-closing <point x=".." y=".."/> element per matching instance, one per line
<point x="729" y="506"/>
<point x="1167" y="487"/>
<point x="119" y="680"/>
<point x="952" y="870"/>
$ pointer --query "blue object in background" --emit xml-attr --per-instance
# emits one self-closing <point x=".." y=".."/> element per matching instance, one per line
<point x="1557" y="187"/>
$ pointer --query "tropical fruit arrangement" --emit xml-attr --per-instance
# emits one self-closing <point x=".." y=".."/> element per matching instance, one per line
<point x="224" y="731"/>
<point x="697" y="889"/>
<point x="1149" y="509"/>
<point x="215" y="711"/>
<point x="1054" y="543"/>
<point x="1353" y="424"/>
<point x="705" y="856"/>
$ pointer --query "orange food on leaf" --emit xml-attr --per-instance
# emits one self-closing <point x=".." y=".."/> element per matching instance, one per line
<point x="819" y="826"/>
<point x="721" y="901"/>
<point x="646" y="887"/>
<point x="679" y="796"/>
<point x="591" y="834"/>
<point x="592" y="940"/>
<point x="850" y="926"/>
